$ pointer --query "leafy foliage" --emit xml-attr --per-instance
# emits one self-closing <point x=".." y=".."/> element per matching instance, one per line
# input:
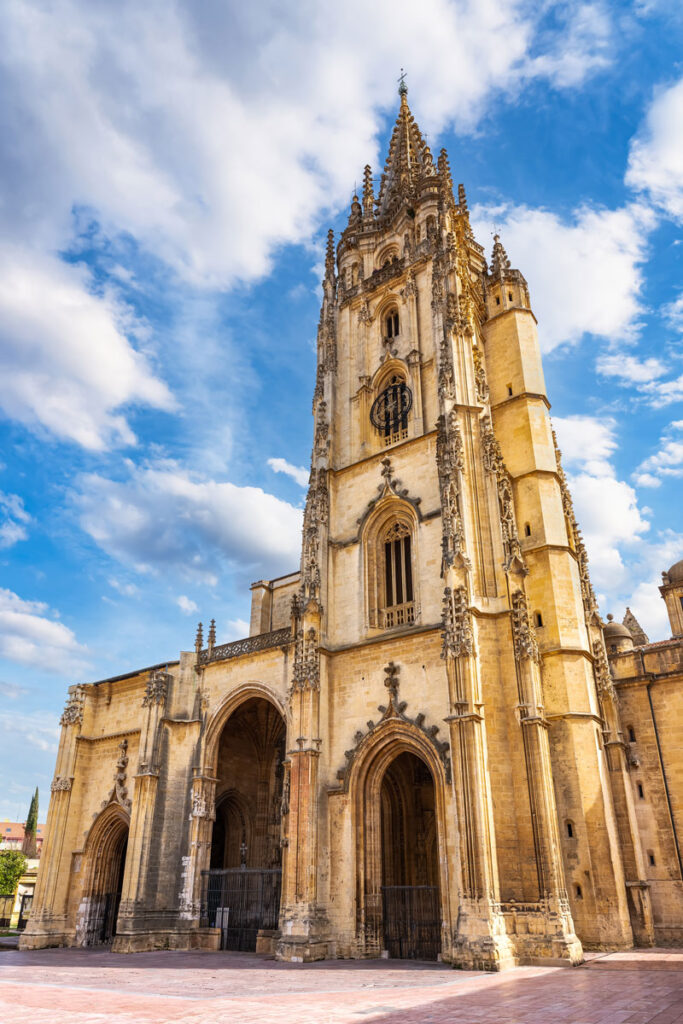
<point x="12" y="867"/>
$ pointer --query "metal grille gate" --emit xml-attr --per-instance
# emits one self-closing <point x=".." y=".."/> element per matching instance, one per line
<point x="412" y="921"/>
<point x="241" y="902"/>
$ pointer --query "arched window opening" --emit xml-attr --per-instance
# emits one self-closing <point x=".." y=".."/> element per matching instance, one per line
<point x="399" y="608"/>
<point x="539" y="618"/>
<point x="354" y="274"/>
<point x="391" y="324"/>
<point x="651" y="858"/>
<point x="570" y="830"/>
<point x="641" y="791"/>
<point x="578" y="892"/>
<point x="389" y="413"/>
<point x="527" y="529"/>
<point x="631" y="734"/>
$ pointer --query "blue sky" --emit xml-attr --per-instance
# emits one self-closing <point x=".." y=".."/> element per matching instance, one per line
<point x="169" y="171"/>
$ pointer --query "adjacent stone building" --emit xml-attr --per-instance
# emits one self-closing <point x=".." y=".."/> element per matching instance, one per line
<point x="422" y="749"/>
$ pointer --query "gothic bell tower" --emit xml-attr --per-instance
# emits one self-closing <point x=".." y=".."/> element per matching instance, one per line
<point x="440" y="548"/>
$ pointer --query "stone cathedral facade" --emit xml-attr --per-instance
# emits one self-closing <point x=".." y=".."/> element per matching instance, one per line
<point x="420" y="749"/>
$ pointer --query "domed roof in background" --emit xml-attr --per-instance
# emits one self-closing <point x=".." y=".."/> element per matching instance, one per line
<point x="675" y="573"/>
<point x="616" y="628"/>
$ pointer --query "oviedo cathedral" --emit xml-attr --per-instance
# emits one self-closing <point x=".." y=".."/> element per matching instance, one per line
<point x="430" y="745"/>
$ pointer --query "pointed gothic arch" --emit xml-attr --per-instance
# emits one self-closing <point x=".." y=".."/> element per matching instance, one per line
<point x="390" y="561"/>
<point x="366" y="780"/>
<point x="102" y="870"/>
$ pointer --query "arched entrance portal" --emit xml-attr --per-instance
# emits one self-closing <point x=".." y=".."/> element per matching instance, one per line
<point x="243" y="883"/>
<point x="104" y="865"/>
<point x="410" y="869"/>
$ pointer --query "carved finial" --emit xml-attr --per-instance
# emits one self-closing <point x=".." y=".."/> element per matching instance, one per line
<point x="610" y="618"/>
<point x="199" y="638"/>
<point x="462" y="199"/>
<point x="212" y="635"/>
<point x="329" y="255"/>
<point x="391" y="682"/>
<point x="386" y="468"/>
<point x="368" y="193"/>
<point x="445" y="170"/>
<point x="499" y="258"/>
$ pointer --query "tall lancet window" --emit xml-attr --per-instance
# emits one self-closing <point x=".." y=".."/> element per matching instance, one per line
<point x="399" y="608"/>
<point x="391" y="324"/>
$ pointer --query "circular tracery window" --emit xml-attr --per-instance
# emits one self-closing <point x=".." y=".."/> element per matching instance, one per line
<point x="389" y="413"/>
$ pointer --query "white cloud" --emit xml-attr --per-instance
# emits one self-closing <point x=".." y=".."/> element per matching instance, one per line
<point x="65" y="361"/>
<point x="126" y="589"/>
<point x="625" y="562"/>
<point x="297" y="473"/>
<point x="186" y="606"/>
<point x="584" y="274"/>
<point x="630" y="368"/>
<point x="666" y="462"/>
<point x="36" y="728"/>
<point x="29" y="637"/>
<point x="673" y="313"/>
<point x="277" y="109"/>
<point x="12" y="691"/>
<point x="165" y="517"/>
<point x="237" y="629"/>
<point x="655" y="164"/>
<point x="13" y="519"/>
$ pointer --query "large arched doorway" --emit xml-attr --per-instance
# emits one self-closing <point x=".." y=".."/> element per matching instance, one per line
<point x="244" y="881"/>
<point x="104" y="866"/>
<point x="411" y="906"/>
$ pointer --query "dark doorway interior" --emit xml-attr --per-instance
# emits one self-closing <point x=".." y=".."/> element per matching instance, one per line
<point x="242" y="888"/>
<point x="410" y="880"/>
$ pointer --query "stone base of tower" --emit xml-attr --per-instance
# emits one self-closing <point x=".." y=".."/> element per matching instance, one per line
<point x="304" y="939"/>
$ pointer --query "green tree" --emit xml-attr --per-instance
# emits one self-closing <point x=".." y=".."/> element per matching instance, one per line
<point x="12" y="867"/>
<point x="29" y="844"/>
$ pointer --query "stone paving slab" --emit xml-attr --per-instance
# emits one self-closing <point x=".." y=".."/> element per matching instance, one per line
<point x="94" y="987"/>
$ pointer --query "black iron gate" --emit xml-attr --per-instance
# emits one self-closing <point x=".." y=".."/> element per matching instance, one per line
<point x="241" y="902"/>
<point x="412" y="921"/>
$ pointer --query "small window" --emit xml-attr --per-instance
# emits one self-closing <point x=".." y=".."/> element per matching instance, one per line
<point x="509" y="389"/>
<point x="612" y="647"/>
<point x="527" y="530"/>
<point x="651" y="858"/>
<point x="681" y="600"/>
<point x="631" y="734"/>
<point x="391" y="323"/>
<point x="578" y="892"/>
<point x="509" y="296"/>
<point x="570" y="830"/>
<point x="641" y="792"/>
<point x="498" y="300"/>
<point x="539" y="618"/>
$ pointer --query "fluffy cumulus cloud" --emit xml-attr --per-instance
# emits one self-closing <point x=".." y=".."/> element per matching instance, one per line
<point x="666" y="462"/>
<point x="594" y="279"/>
<point x="65" y="361"/>
<point x="297" y="473"/>
<point x="186" y="605"/>
<point x="625" y="560"/>
<point x="29" y="636"/>
<point x="163" y="518"/>
<point x="656" y="159"/>
<point x="13" y="520"/>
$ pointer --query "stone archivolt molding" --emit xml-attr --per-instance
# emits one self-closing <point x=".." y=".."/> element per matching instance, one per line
<point x="394" y="712"/>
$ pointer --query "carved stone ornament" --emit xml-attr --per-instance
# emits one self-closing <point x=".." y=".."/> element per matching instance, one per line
<point x="316" y="515"/>
<point x="457" y="633"/>
<point x="389" y="486"/>
<point x="306" y="672"/>
<point x="410" y="289"/>
<point x="119" y="793"/>
<point x="60" y="784"/>
<point x="450" y="461"/>
<point x="493" y="462"/>
<point x="201" y="807"/>
<point x="603" y="677"/>
<point x="73" y="711"/>
<point x="523" y="634"/>
<point x="480" y="382"/>
<point x="156" y="689"/>
<point x="364" y="316"/>
<point x="393" y="711"/>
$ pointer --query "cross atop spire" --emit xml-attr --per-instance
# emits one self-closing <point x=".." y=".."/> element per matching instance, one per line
<point x="402" y="87"/>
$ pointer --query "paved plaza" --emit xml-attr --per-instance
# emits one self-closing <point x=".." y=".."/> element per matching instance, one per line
<point x="98" y="987"/>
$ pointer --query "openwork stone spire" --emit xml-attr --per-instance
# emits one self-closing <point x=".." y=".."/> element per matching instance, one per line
<point x="407" y="162"/>
<point x="500" y="264"/>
